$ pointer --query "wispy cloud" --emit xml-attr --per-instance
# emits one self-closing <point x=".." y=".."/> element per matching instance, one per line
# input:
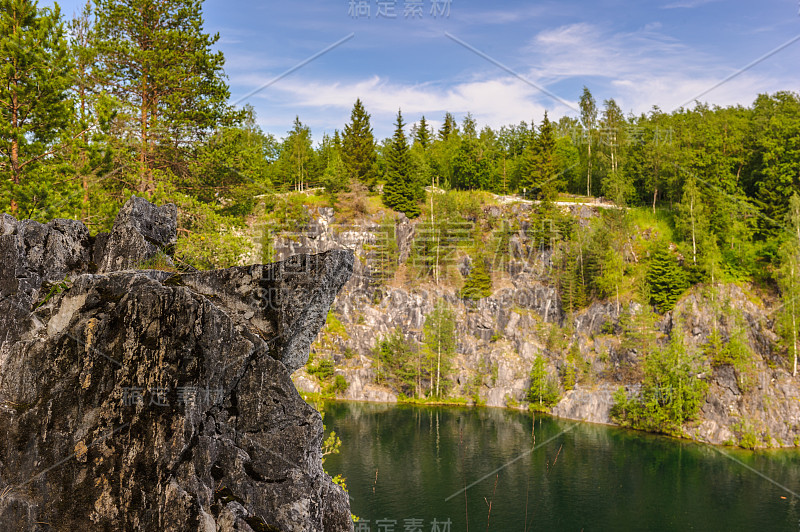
<point x="640" y="68"/>
<point x="646" y="56"/>
<point x="688" y="4"/>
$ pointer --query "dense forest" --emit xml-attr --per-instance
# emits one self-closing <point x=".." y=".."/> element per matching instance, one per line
<point x="131" y="97"/>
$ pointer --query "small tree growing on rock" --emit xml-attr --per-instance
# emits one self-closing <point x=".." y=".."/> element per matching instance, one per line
<point x="543" y="390"/>
<point x="666" y="280"/>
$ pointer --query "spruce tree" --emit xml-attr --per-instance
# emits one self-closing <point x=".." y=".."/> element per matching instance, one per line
<point x="34" y="79"/>
<point x="449" y="127"/>
<point x="666" y="280"/>
<point x="539" y="173"/>
<point x="155" y="57"/>
<point x="399" y="191"/>
<point x="358" y="146"/>
<point x="478" y="283"/>
<point x="423" y="135"/>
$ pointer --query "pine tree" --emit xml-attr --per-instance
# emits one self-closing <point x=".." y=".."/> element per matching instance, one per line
<point x="34" y="80"/>
<point x="358" y="146"/>
<point x="571" y="279"/>
<point x="469" y="127"/>
<point x="155" y="57"/>
<point x="542" y="391"/>
<point x="399" y="190"/>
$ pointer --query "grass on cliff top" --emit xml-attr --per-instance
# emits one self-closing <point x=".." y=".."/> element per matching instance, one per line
<point x="653" y="227"/>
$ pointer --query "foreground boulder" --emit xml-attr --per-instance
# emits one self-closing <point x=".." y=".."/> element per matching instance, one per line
<point x="155" y="400"/>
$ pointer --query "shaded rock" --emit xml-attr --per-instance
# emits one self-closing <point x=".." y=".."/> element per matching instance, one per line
<point x="140" y="231"/>
<point x="148" y="400"/>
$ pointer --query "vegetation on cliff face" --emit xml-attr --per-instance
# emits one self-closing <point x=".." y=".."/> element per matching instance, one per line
<point x="671" y="393"/>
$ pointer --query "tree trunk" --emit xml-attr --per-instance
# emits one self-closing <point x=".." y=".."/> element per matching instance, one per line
<point x="15" y="177"/>
<point x="438" y="354"/>
<point x="794" y="323"/>
<point x="419" y="373"/>
<point x="694" y="242"/>
<point x="143" y="178"/>
<point x="589" y="169"/>
<point x="505" y="190"/>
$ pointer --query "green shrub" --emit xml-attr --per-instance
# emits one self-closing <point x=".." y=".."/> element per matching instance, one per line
<point x="334" y="326"/>
<point x="748" y="439"/>
<point x="397" y="362"/>
<point x="671" y="393"/>
<point x="338" y="386"/>
<point x="323" y="370"/>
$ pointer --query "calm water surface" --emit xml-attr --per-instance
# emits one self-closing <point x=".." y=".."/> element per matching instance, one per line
<point x="407" y="467"/>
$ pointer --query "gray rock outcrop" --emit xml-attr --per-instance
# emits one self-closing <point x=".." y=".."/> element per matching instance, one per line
<point x="157" y="400"/>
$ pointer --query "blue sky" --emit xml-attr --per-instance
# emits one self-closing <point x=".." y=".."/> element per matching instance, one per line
<point x="659" y="52"/>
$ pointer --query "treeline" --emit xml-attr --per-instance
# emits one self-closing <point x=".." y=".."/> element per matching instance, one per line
<point x="131" y="96"/>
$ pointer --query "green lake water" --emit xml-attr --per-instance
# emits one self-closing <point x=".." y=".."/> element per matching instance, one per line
<point x="577" y="476"/>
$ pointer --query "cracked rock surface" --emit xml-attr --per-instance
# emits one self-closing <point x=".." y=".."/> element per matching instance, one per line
<point x="154" y="400"/>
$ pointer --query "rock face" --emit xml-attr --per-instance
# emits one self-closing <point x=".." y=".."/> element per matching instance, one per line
<point x="499" y="337"/>
<point x="155" y="400"/>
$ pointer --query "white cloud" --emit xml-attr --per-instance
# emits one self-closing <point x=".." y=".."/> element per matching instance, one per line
<point x="494" y="102"/>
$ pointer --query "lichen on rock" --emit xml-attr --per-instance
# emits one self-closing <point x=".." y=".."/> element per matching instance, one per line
<point x="153" y="400"/>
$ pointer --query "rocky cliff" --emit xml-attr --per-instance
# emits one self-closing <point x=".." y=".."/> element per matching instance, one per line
<point x="145" y="399"/>
<point x="499" y="337"/>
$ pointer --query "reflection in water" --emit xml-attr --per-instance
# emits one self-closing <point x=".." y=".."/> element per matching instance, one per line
<point x="409" y="466"/>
